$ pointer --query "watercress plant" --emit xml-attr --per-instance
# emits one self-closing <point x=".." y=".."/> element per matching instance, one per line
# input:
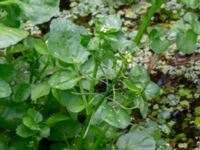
<point x="73" y="86"/>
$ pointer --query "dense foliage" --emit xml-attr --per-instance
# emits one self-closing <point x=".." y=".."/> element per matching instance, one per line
<point x="66" y="81"/>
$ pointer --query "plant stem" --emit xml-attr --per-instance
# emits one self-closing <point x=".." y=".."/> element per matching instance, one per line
<point x="147" y="19"/>
<point x="101" y="101"/>
<point x="92" y="83"/>
<point x="82" y="89"/>
<point x="36" y="144"/>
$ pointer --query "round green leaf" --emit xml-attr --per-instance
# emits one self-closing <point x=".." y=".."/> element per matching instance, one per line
<point x="109" y="24"/>
<point x="64" y="41"/>
<point x="191" y="3"/>
<point x="74" y="103"/>
<point x="7" y="71"/>
<point x="136" y="140"/>
<point x="11" y="115"/>
<point x="39" y="90"/>
<point x="64" y="80"/>
<point x="30" y="123"/>
<point x="116" y="117"/>
<point x="187" y="42"/>
<point x="5" y="89"/>
<point x="10" y="36"/>
<point x="56" y="118"/>
<point x="159" y="46"/>
<point x="22" y="93"/>
<point x="24" y="131"/>
<point x="152" y="90"/>
<point x="38" y="11"/>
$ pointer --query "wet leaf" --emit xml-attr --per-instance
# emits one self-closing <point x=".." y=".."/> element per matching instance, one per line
<point x="116" y="117"/>
<point x="64" y="41"/>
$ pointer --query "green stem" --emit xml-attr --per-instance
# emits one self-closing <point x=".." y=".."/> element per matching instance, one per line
<point x="100" y="138"/>
<point x="80" y="83"/>
<point x="101" y="101"/>
<point x="41" y="73"/>
<point x="36" y="144"/>
<point x="92" y="83"/>
<point x="147" y="19"/>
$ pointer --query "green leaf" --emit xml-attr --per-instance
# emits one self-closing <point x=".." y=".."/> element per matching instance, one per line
<point x="197" y="121"/>
<point x="139" y="74"/>
<point x="56" y="118"/>
<point x="38" y="11"/>
<point x="116" y="117"/>
<point x="159" y="46"/>
<point x="192" y="3"/>
<point x="197" y="111"/>
<point x="37" y="116"/>
<point x="5" y="89"/>
<point x="22" y="93"/>
<point x="24" y="131"/>
<point x="64" y="80"/>
<point x="12" y="13"/>
<point x="64" y="41"/>
<point x="142" y="104"/>
<point x="136" y="140"/>
<point x="58" y="146"/>
<point x="186" y="42"/>
<point x="31" y="123"/>
<point x="196" y="26"/>
<point x="11" y="115"/>
<point x="32" y="119"/>
<point x="152" y="90"/>
<point x="135" y="87"/>
<point x="4" y="140"/>
<point x="10" y="36"/>
<point x="66" y="129"/>
<point x="190" y="17"/>
<point x="157" y="32"/>
<point x="73" y="103"/>
<point x="41" y="48"/>
<point x="39" y="90"/>
<point x="45" y="132"/>
<point x="109" y="24"/>
<point x="7" y="71"/>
